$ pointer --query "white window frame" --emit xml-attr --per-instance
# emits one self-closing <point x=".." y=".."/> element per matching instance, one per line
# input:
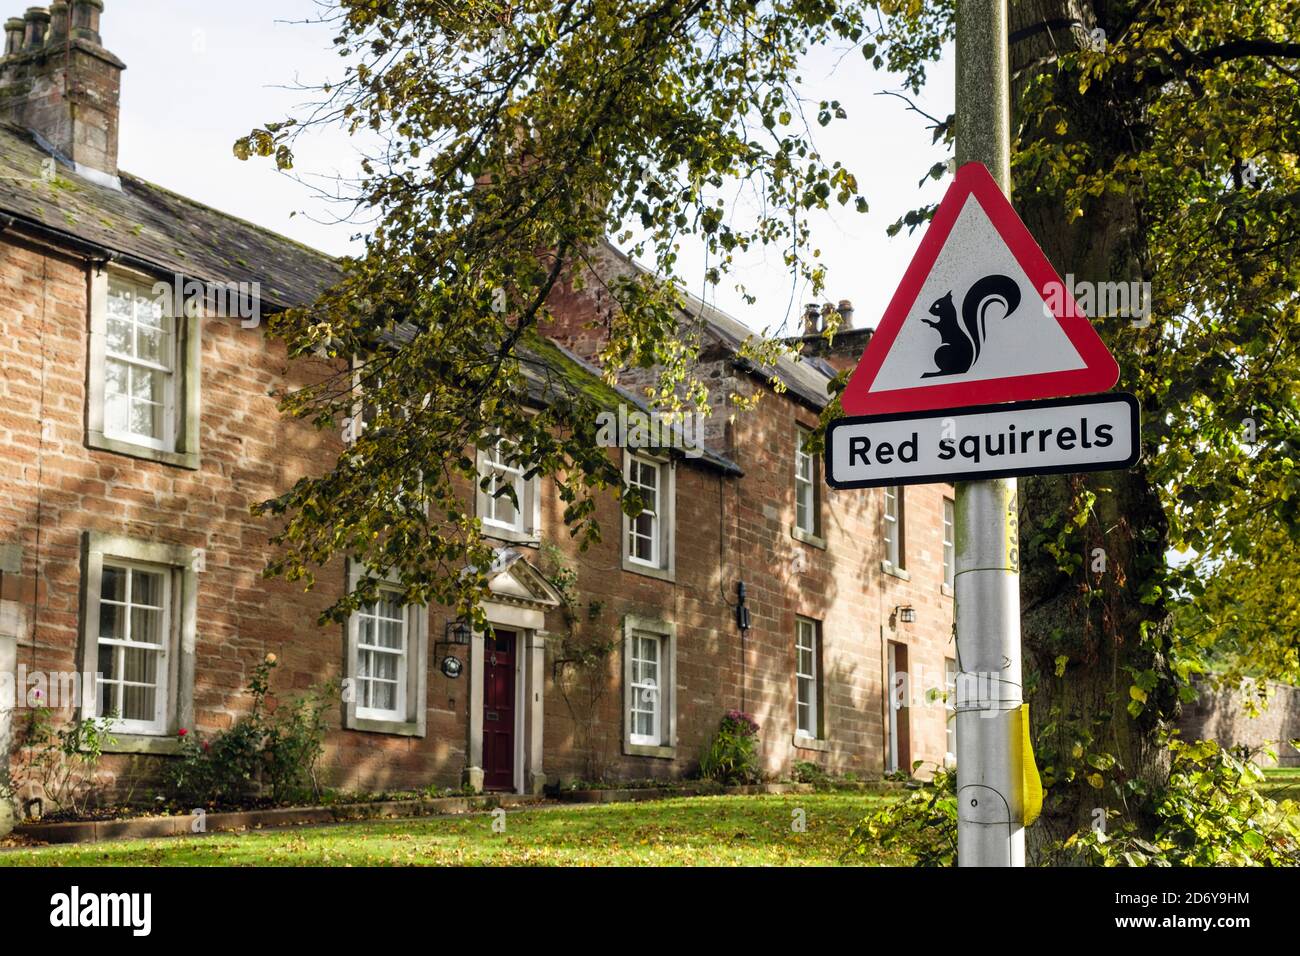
<point x="157" y="725"/>
<point x="409" y="717"/>
<point x="372" y="612"/>
<point x="662" y="741"/>
<point x="174" y="701"/>
<point x="807" y="638"/>
<point x="894" y="515"/>
<point x="807" y="491"/>
<point x="526" y="528"/>
<point x="647" y="695"/>
<point x="949" y="544"/>
<point x="179" y="442"/>
<point x="651" y="496"/>
<point x="168" y="367"/>
<point x="662" y="562"/>
<point x="355" y="425"/>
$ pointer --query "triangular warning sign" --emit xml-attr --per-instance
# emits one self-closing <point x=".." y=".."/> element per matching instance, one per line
<point x="980" y="317"/>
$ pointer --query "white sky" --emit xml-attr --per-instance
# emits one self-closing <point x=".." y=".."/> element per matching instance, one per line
<point x="201" y="74"/>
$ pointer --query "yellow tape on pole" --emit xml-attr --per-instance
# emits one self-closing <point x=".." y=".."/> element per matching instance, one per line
<point x="1032" y="783"/>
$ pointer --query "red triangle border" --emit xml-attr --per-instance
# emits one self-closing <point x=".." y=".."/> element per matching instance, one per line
<point x="1100" y="371"/>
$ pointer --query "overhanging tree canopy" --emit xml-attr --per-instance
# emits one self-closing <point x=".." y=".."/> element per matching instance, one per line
<point x="1157" y="141"/>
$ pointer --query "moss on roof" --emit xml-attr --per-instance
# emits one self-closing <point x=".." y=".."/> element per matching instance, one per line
<point x="157" y="227"/>
<point x="539" y="355"/>
<point x="175" y="234"/>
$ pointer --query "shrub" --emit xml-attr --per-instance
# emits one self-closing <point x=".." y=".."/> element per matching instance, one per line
<point x="295" y="739"/>
<point x="59" y="765"/>
<point x="1208" y="813"/>
<point x="263" y="754"/>
<point x="806" y="771"/>
<point x="732" y="757"/>
<point x="925" y="824"/>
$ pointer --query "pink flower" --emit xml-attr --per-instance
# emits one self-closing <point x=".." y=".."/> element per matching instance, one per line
<point x="182" y="732"/>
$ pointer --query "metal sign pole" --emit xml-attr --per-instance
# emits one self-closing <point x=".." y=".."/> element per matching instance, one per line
<point x="990" y="787"/>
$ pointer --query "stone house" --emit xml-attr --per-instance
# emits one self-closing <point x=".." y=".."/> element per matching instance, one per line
<point x="136" y="437"/>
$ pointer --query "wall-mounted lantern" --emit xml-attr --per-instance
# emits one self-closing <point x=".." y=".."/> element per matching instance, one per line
<point x="902" y="613"/>
<point x="455" y="633"/>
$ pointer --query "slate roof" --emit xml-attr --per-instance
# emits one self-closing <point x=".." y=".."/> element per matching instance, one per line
<point x="157" y="229"/>
<point x="539" y="355"/>
<point x="549" y="369"/>
<point x="153" y="228"/>
<point x="805" y="378"/>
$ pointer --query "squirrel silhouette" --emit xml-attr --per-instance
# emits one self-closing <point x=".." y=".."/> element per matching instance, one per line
<point x="962" y="342"/>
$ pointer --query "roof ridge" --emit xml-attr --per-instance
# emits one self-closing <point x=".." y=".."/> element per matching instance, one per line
<point x="230" y="216"/>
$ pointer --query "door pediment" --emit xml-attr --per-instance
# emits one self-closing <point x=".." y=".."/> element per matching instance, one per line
<point x="512" y="580"/>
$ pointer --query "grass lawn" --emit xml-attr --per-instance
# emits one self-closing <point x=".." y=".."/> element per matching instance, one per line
<point x="688" y="831"/>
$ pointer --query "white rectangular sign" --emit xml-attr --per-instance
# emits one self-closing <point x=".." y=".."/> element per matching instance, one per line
<point x="1053" y="436"/>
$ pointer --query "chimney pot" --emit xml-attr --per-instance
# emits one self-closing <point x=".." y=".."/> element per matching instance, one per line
<point x="845" y="310"/>
<point x="37" y="22"/>
<point x="811" y="319"/>
<point x="58" y="22"/>
<point x="85" y="19"/>
<point x="14" y="28"/>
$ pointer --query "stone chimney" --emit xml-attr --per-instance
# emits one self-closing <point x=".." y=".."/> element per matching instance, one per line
<point x="62" y="85"/>
<point x="59" y="16"/>
<point x="38" y="24"/>
<point x="848" y="345"/>
<point x="845" y="309"/>
<point x="14" y="29"/>
<point x="812" y="319"/>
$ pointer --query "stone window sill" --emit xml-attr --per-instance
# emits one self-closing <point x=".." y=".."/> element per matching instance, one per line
<point x="649" y="750"/>
<point x="142" y="744"/>
<point x="396" y="728"/>
<point x="899" y="573"/>
<point x="178" y="459"/>
<point x="810" y="743"/>
<point x="529" y="539"/>
<point x="807" y="537"/>
<point x="662" y="574"/>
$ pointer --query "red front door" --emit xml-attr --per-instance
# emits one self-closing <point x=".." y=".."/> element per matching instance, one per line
<point x="499" y="711"/>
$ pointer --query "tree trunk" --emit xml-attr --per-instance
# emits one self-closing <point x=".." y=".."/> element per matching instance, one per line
<point x="1086" y="629"/>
